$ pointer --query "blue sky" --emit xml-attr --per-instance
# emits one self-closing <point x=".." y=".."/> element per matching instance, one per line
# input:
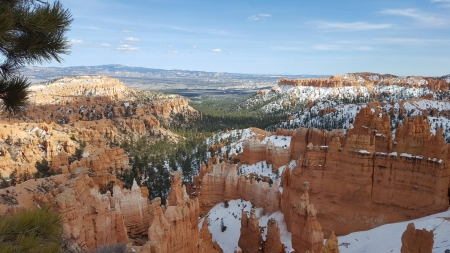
<point x="267" y="37"/>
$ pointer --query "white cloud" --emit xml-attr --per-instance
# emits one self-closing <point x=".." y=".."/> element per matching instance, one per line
<point x="127" y="48"/>
<point x="351" y="27"/>
<point x="326" y="47"/>
<point x="172" y="52"/>
<point x="364" y="48"/>
<point x="413" y="41"/>
<point x="194" y="47"/>
<point x="126" y="31"/>
<point x="425" y="18"/>
<point x="283" y="48"/>
<point x="216" y="50"/>
<point x="259" y="16"/>
<point x="132" y="40"/>
<point x="75" y="42"/>
<point x="105" y="45"/>
<point x="164" y="46"/>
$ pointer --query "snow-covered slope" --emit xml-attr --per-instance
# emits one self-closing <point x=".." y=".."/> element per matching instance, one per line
<point x="387" y="238"/>
<point x="286" y="97"/>
<point x="383" y="239"/>
<point x="342" y="116"/>
<point x="230" y="217"/>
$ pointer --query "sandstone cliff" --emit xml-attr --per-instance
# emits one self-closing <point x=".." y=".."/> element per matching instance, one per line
<point x="370" y="178"/>
<point x="369" y="79"/>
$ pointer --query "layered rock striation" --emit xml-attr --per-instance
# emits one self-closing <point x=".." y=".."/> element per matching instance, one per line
<point x="370" y="178"/>
<point x="367" y="80"/>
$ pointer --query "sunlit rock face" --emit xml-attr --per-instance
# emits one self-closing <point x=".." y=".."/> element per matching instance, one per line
<point x="417" y="240"/>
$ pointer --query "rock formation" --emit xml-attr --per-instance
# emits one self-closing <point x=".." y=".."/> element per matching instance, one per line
<point x="88" y="218"/>
<point x="222" y="183"/>
<point x="173" y="228"/>
<point x="206" y="243"/>
<point x="134" y="206"/>
<point x="97" y="110"/>
<point x="273" y="243"/>
<point x="250" y="240"/>
<point x="416" y="240"/>
<point x="332" y="245"/>
<point x="369" y="79"/>
<point x="365" y="171"/>
<point x="301" y="219"/>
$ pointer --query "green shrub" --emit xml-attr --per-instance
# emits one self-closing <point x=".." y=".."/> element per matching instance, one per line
<point x="31" y="231"/>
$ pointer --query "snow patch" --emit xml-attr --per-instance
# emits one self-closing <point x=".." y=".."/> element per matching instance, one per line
<point x="231" y="218"/>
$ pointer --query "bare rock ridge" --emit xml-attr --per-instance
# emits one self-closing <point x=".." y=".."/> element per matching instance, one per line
<point x="416" y="240"/>
<point x="66" y="88"/>
<point x="369" y="79"/>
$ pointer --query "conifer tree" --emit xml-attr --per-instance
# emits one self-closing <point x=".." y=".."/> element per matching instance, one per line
<point x="31" y="31"/>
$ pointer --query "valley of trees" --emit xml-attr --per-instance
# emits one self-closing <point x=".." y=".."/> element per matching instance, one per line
<point x="152" y="161"/>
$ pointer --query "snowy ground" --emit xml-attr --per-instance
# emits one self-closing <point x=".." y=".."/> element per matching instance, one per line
<point x="278" y="140"/>
<point x="273" y="99"/>
<point x="383" y="239"/>
<point x="264" y="169"/>
<point x="387" y="238"/>
<point x="231" y="217"/>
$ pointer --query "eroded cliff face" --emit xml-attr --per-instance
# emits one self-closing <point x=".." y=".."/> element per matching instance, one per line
<point x="96" y="110"/>
<point x="174" y="227"/>
<point x="88" y="218"/>
<point x="301" y="218"/>
<point x="220" y="182"/>
<point x="368" y="80"/>
<point x="370" y="178"/>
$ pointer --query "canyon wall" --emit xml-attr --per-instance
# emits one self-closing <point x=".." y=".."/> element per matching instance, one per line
<point x="364" y="179"/>
<point x="367" y="80"/>
<point x="220" y="182"/>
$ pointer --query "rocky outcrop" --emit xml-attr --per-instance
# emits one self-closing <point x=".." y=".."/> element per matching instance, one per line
<point x="103" y="162"/>
<point x="368" y="80"/>
<point x="206" y="243"/>
<point x="88" y="218"/>
<point x="273" y="244"/>
<point x="301" y="220"/>
<point x="173" y="228"/>
<point x="370" y="178"/>
<point x="250" y="240"/>
<point x="61" y="90"/>
<point x="416" y="240"/>
<point x="332" y="245"/>
<point x="221" y="183"/>
<point x="134" y="206"/>
<point x="254" y="151"/>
